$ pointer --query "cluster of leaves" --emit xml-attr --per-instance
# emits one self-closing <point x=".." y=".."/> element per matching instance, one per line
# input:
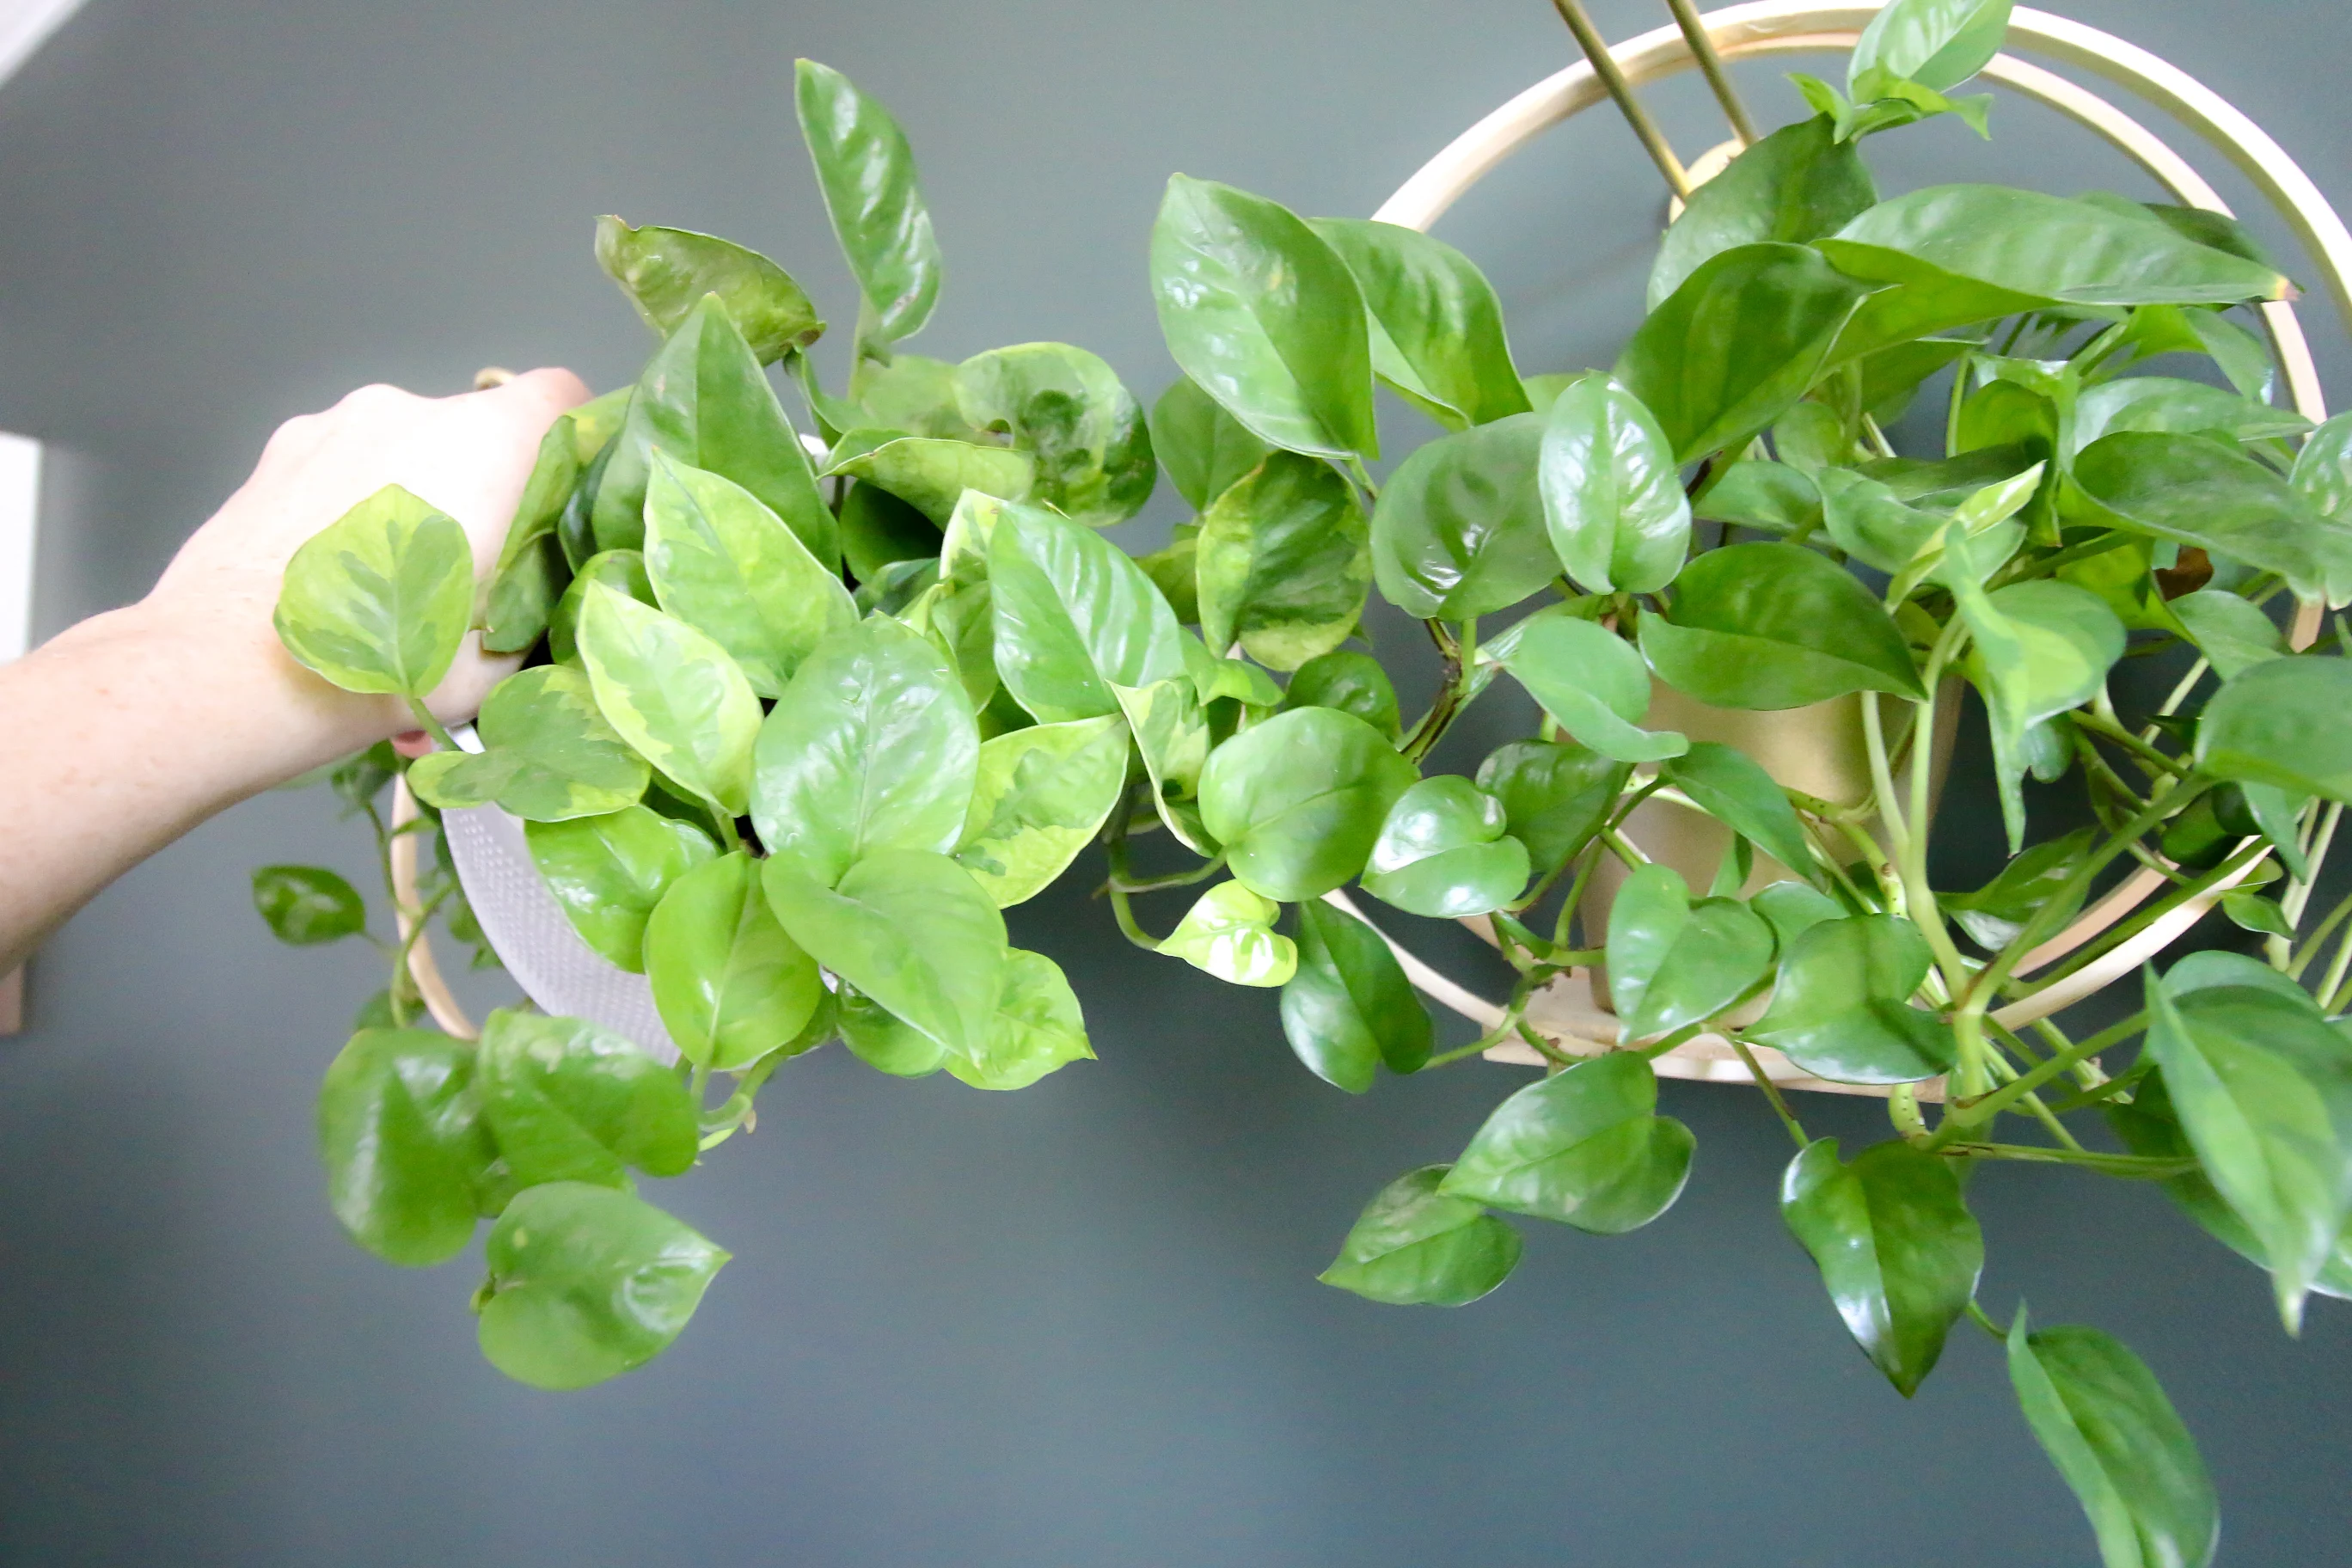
<point x="791" y="751"/>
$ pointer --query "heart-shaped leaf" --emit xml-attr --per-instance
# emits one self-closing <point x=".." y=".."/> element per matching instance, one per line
<point x="872" y="746"/>
<point x="2232" y="633"/>
<point x="1775" y="625"/>
<point x="608" y="872"/>
<point x="1067" y="410"/>
<point x="1585" y="1147"/>
<point x="588" y="1282"/>
<point x="1842" y="1007"/>
<point x="379" y="600"/>
<point x="1436" y="327"/>
<point x="1556" y="795"/>
<point x="549" y="754"/>
<point x="1896" y="1247"/>
<point x="1412" y="1246"/>
<point x="1587" y="678"/>
<point x="1733" y="787"/>
<point x="623" y="571"/>
<point x="1298" y="800"/>
<point x="2206" y="493"/>
<point x="1351" y="683"/>
<point x="1041" y="795"/>
<point x="1038" y="1028"/>
<point x="1282" y="561"/>
<point x="730" y="984"/>
<point x="673" y="694"/>
<point x="910" y="930"/>
<point x="1229" y="933"/>
<point x="2286" y="722"/>
<point x="1349" y="1006"/>
<point x="1075" y="616"/>
<point x="1796" y="185"/>
<point x="1458" y="530"/>
<point x="400" y="1134"/>
<point x="1938" y="44"/>
<point x="569" y="1102"/>
<point x="305" y="905"/>
<point x="1613" y="497"/>
<point x="1673" y="961"/>
<point x="1443" y="852"/>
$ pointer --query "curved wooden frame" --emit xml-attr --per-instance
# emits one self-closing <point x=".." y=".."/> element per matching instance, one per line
<point x="1771" y="28"/>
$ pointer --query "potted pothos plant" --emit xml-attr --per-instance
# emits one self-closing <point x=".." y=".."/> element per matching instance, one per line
<point x="793" y="731"/>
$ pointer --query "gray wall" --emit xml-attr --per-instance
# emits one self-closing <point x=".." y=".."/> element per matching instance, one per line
<point x="1076" y="1325"/>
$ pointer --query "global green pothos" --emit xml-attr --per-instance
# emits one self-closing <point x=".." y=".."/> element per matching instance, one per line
<point x="791" y="733"/>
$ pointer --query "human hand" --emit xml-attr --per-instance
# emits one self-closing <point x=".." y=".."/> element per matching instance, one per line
<point x="468" y="456"/>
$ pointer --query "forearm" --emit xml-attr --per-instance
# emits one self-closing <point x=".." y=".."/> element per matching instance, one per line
<point x="129" y="730"/>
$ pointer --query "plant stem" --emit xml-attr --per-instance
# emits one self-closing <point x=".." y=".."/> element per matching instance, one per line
<point x="1710" y="66"/>
<point x="1612" y="80"/>
<point x="2145" y="916"/>
<point x="1958" y="1116"/>
<point x="1174" y="880"/>
<point x="2146" y="755"/>
<point x="1771" y="1090"/>
<point x="2135" y="1167"/>
<point x="431" y="725"/>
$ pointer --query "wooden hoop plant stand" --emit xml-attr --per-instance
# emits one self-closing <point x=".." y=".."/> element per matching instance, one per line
<point x="1564" y="1011"/>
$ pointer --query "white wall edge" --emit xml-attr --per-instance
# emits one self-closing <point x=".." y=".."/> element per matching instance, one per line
<point x="25" y="26"/>
<point x="20" y="504"/>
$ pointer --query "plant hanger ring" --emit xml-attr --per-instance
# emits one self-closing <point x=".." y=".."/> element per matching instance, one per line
<point x="1773" y="27"/>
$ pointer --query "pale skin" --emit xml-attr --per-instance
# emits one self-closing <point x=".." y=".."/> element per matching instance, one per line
<point x="130" y="728"/>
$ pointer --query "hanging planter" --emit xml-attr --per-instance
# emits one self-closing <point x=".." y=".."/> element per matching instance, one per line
<point x="806" y="706"/>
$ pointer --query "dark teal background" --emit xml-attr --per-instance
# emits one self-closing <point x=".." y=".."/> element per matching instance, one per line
<point x="1077" y="1325"/>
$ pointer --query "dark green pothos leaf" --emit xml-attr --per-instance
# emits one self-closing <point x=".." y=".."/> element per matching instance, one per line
<point x="1842" y="1006"/>
<point x="569" y="1102"/>
<point x="1896" y="1247"/>
<point x="1443" y="852"/>
<point x="1351" y="683"/>
<point x="1436" y="328"/>
<point x="2285" y="722"/>
<point x="1458" y="530"/>
<point x="1796" y="185"/>
<point x="1775" y="625"/>
<point x="1589" y="678"/>
<point x="305" y="905"/>
<point x="2104" y="1421"/>
<point x="1585" y="1147"/>
<point x="1298" y="800"/>
<point x="1673" y="961"/>
<point x="608" y="872"/>
<point x="1733" y="787"/>
<point x="1414" y="1245"/>
<point x="1613" y="497"/>
<point x="1348" y="1007"/>
<point x="1203" y="448"/>
<point x="2206" y="493"/>
<point x="587" y="1282"/>
<point x="1282" y="561"/>
<point x="1556" y="795"/>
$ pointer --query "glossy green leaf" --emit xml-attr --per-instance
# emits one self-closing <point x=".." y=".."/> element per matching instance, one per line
<point x="1075" y="616"/>
<point x="1556" y="795"/>
<point x="1041" y="796"/>
<point x="885" y="1042"/>
<point x="1796" y="185"/>
<point x="623" y="571"/>
<point x="1587" y="678"/>
<point x="1791" y="909"/>
<point x="666" y="271"/>
<point x="1436" y="329"/>
<point x="1775" y="625"/>
<point x="2040" y="648"/>
<point x="2323" y="469"/>
<point x="704" y="402"/>
<point x="1298" y="800"/>
<point x="2158" y="403"/>
<point x="1351" y="683"/>
<point x="1736" y="344"/>
<point x="2263" y="1091"/>
<point x="608" y="872"/>
<point x="1229" y="933"/>
<point x="587" y="1282"/>
<point x="401" y="1138"/>
<point x="1203" y="448"/>
<point x="1938" y="44"/>
<point x="569" y="1102"/>
<point x="1443" y="852"/>
<point x="1284" y="560"/>
<point x="673" y="694"/>
<point x="878" y="529"/>
<point x="2104" y="1421"/>
<point x="730" y="984"/>
<point x="1842" y="1006"/>
<point x="726" y="565"/>
<point x="1262" y="315"/>
<point x="1412" y="1246"/>
<point x="1733" y="787"/>
<point x="305" y="905"/>
<point x="1993" y="914"/>
<point x="2232" y="633"/>
<point x="533" y="568"/>
<point x="1612" y="498"/>
<point x="910" y="930"/>
<point x="548" y="756"/>
<point x="1067" y="410"/>
<point x="1038" y="1028"/>
<point x="2206" y="493"/>
<point x="866" y="173"/>
<point x="1349" y="1007"/>
<point x="914" y="393"/>
<point x="1585" y="1147"/>
<point x="872" y="746"/>
<point x="1772" y="497"/>
<point x="2285" y="722"/>
<point x="1673" y="961"/>
<point x="2042" y="248"/>
<point x="1171" y="734"/>
<point x="929" y="473"/>
<point x="1896" y="1247"/>
<point x="1458" y="530"/>
<point x="380" y="599"/>
<point x="1866" y="520"/>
